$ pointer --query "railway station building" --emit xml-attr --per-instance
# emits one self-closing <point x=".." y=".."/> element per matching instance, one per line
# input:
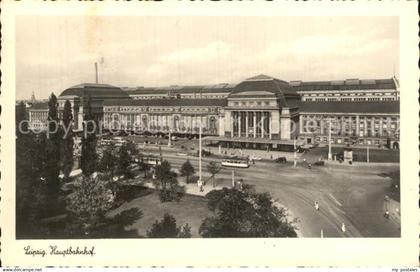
<point x="260" y="112"/>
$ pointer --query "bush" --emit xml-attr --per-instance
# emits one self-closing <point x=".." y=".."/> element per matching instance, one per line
<point x="281" y="160"/>
<point x="167" y="228"/>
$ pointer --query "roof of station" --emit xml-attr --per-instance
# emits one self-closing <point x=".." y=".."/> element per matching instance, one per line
<point x="105" y="91"/>
<point x="342" y="85"/>
<point x="266" y="86"/>
<point x="175" y="89"/>
<point x="168" y="102"/>
<point x="389" y="107"/>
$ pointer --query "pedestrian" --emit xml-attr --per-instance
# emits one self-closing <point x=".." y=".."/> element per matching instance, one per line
<point x="316" y="206"/>
<point x="200" y="185"/>
<point x="386" y="215"/>
<point x="240" y="187"/>
<point x="343" y="227"/>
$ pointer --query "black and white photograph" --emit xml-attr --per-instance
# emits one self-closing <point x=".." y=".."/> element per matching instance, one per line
<point x="184" y="127"/>
<point x="259" y="135"/>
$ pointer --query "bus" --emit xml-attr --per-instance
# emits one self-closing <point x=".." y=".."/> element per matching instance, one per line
<point x="236" y="163"/>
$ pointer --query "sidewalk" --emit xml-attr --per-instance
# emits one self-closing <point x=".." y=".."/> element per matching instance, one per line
<point x="263" y="154"/>
<point x="190" y="188"/>
<point x="359" y="163"/>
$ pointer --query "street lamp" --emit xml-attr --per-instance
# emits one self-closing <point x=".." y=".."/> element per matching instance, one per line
<point x="329" y="140"/>
<point x="367" y="152"/>
<point x="294" y="155"/>
<point x="199" y="154"/>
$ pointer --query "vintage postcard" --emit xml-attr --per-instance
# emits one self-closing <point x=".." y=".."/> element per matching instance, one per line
<point x="209" y="134"/>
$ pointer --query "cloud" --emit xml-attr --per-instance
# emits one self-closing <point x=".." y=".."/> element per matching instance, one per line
<point x="164" y="51"/>
<point x="207" y="53"/>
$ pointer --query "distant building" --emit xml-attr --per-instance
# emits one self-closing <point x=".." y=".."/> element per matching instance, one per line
<point x="348" y="90"/>
<point x="364" y="123"/>
<point x="78" y="96"/>
<point x="38" y="115"/>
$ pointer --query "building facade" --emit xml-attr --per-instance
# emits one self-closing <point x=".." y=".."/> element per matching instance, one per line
<point x="348" y="90"/>
<point x="178" y="116"/>
<point x="260" y="112"/>
<point x="356" y="123"/>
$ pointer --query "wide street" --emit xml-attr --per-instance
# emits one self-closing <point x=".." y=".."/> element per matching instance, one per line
<point x="353" y="195"/>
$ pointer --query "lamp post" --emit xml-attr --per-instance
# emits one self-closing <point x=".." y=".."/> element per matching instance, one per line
<point x="233" y="178"/>
<point x="169" y="138"/>
<point x="199" y="153"/>
<point x="367" y="152"/>
<point x="329" y="140"/>
<point x="294" y="155"/>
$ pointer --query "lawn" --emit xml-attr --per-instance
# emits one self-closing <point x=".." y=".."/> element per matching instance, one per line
<point x="375" y="155"/>
<point x="190" y="209"/>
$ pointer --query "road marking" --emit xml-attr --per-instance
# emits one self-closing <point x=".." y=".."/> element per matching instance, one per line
<point x="335" y="200"/>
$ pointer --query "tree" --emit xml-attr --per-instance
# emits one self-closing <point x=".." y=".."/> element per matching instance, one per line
<point x="88" y="159"/>
<point x="124" y="160"/>
<point x="245" y="213"/>
<point x="167" y="228"/>
<point x="167" y="183"/>
<point x="187" y="170"/>
<point x="91" y="199"/>
<point x="143" y="166"/>
<point x="31" y="190"/>
<point x="21" y="120"/>
<point x="107" y="161"/>
<point x="213" y="168"/>
<point x="66" y="151"/>
<point x="185" y="231"/>
<point x="53" y="148"/>
<point x="132" y="148"/>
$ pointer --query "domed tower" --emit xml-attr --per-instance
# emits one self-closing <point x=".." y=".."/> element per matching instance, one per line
<point x="78" y="95"/>
<point x="261" y="107"/>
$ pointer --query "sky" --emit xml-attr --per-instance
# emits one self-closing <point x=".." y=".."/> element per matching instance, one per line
<point x="55" y="53"/>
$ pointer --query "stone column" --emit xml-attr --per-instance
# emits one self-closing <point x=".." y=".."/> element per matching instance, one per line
<point x="380" y="126"/>
<point x="262" y="124"/>
<point x="365" y="127"/>
<point x="372" y="124"/>
<point x="246" y="124"/>
<point x="301" y="120"/>
<point x="190" y="118"/>
<point x="269" y="124"/>
<point x="239" y="123"/>
<point x="357" y="126"/>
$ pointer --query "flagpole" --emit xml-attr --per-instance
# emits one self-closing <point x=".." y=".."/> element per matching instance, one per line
<point x="199" y="152"/>
<point x="294" y="155"/>
<point x="96" y="72"/>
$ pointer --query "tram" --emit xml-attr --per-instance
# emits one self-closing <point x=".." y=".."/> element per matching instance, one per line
<point x="236" y="163"/>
